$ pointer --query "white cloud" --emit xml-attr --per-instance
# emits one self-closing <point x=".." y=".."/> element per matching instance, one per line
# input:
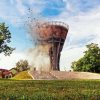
<point x="10" y="61"/>
<point x="70" y="55"/>
<point x="84" y="28"/>
<point x="16" y="11"/>
<point x="20" y="7"/>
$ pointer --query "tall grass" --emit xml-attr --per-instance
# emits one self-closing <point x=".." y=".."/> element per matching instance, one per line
<point x="50" y="90"/>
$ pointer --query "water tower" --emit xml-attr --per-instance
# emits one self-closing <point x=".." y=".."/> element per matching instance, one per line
<point x="53" y="33"/>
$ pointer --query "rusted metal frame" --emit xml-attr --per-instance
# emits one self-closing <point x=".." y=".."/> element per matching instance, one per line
<point x="58" y="52"/>
<point x="53" y="54"/>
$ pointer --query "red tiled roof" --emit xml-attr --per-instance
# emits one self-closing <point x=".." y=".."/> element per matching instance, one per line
<point x="5" y="71"/>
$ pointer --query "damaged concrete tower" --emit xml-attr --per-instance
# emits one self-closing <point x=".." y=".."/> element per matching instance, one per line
<point x="54" y="34"/>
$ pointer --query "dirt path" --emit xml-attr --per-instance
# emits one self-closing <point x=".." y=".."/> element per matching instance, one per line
<point x="75" y="75"/>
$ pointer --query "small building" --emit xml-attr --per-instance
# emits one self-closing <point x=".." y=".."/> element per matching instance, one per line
<point x="4" y="73"/>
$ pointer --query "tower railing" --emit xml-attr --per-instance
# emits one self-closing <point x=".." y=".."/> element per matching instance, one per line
<point x="54" y="23"/>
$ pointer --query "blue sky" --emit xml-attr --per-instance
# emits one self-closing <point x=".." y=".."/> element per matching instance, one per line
<point x="82" y="16"/>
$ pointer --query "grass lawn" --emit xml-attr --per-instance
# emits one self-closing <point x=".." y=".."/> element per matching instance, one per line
<point x="49" y="89"/>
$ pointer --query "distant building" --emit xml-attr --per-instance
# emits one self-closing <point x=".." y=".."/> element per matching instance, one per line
<point x="4" y="73"/>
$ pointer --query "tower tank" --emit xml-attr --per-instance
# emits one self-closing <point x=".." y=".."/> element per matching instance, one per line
<point x="54" y="34"/>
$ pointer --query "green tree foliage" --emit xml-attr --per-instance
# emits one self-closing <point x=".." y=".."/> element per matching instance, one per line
<point x="5" y="37"/>
<point x="22" y="65"/>
<point x="90" y="62"/>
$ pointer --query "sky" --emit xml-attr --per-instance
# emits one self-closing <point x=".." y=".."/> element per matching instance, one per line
<point x="82" y="16"/>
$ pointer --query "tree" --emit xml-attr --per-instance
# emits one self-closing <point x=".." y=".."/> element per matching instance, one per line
<point x="22" y="65"/>
<point x="5" y="37"/>
<point x="90" y="62"/>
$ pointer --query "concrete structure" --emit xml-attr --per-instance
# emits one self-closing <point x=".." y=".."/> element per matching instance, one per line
<point x="53" y="34"/>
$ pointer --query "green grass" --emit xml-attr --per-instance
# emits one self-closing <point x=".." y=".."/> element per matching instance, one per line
<point x="49" y="89"/>
<point x="22" y="75"/>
